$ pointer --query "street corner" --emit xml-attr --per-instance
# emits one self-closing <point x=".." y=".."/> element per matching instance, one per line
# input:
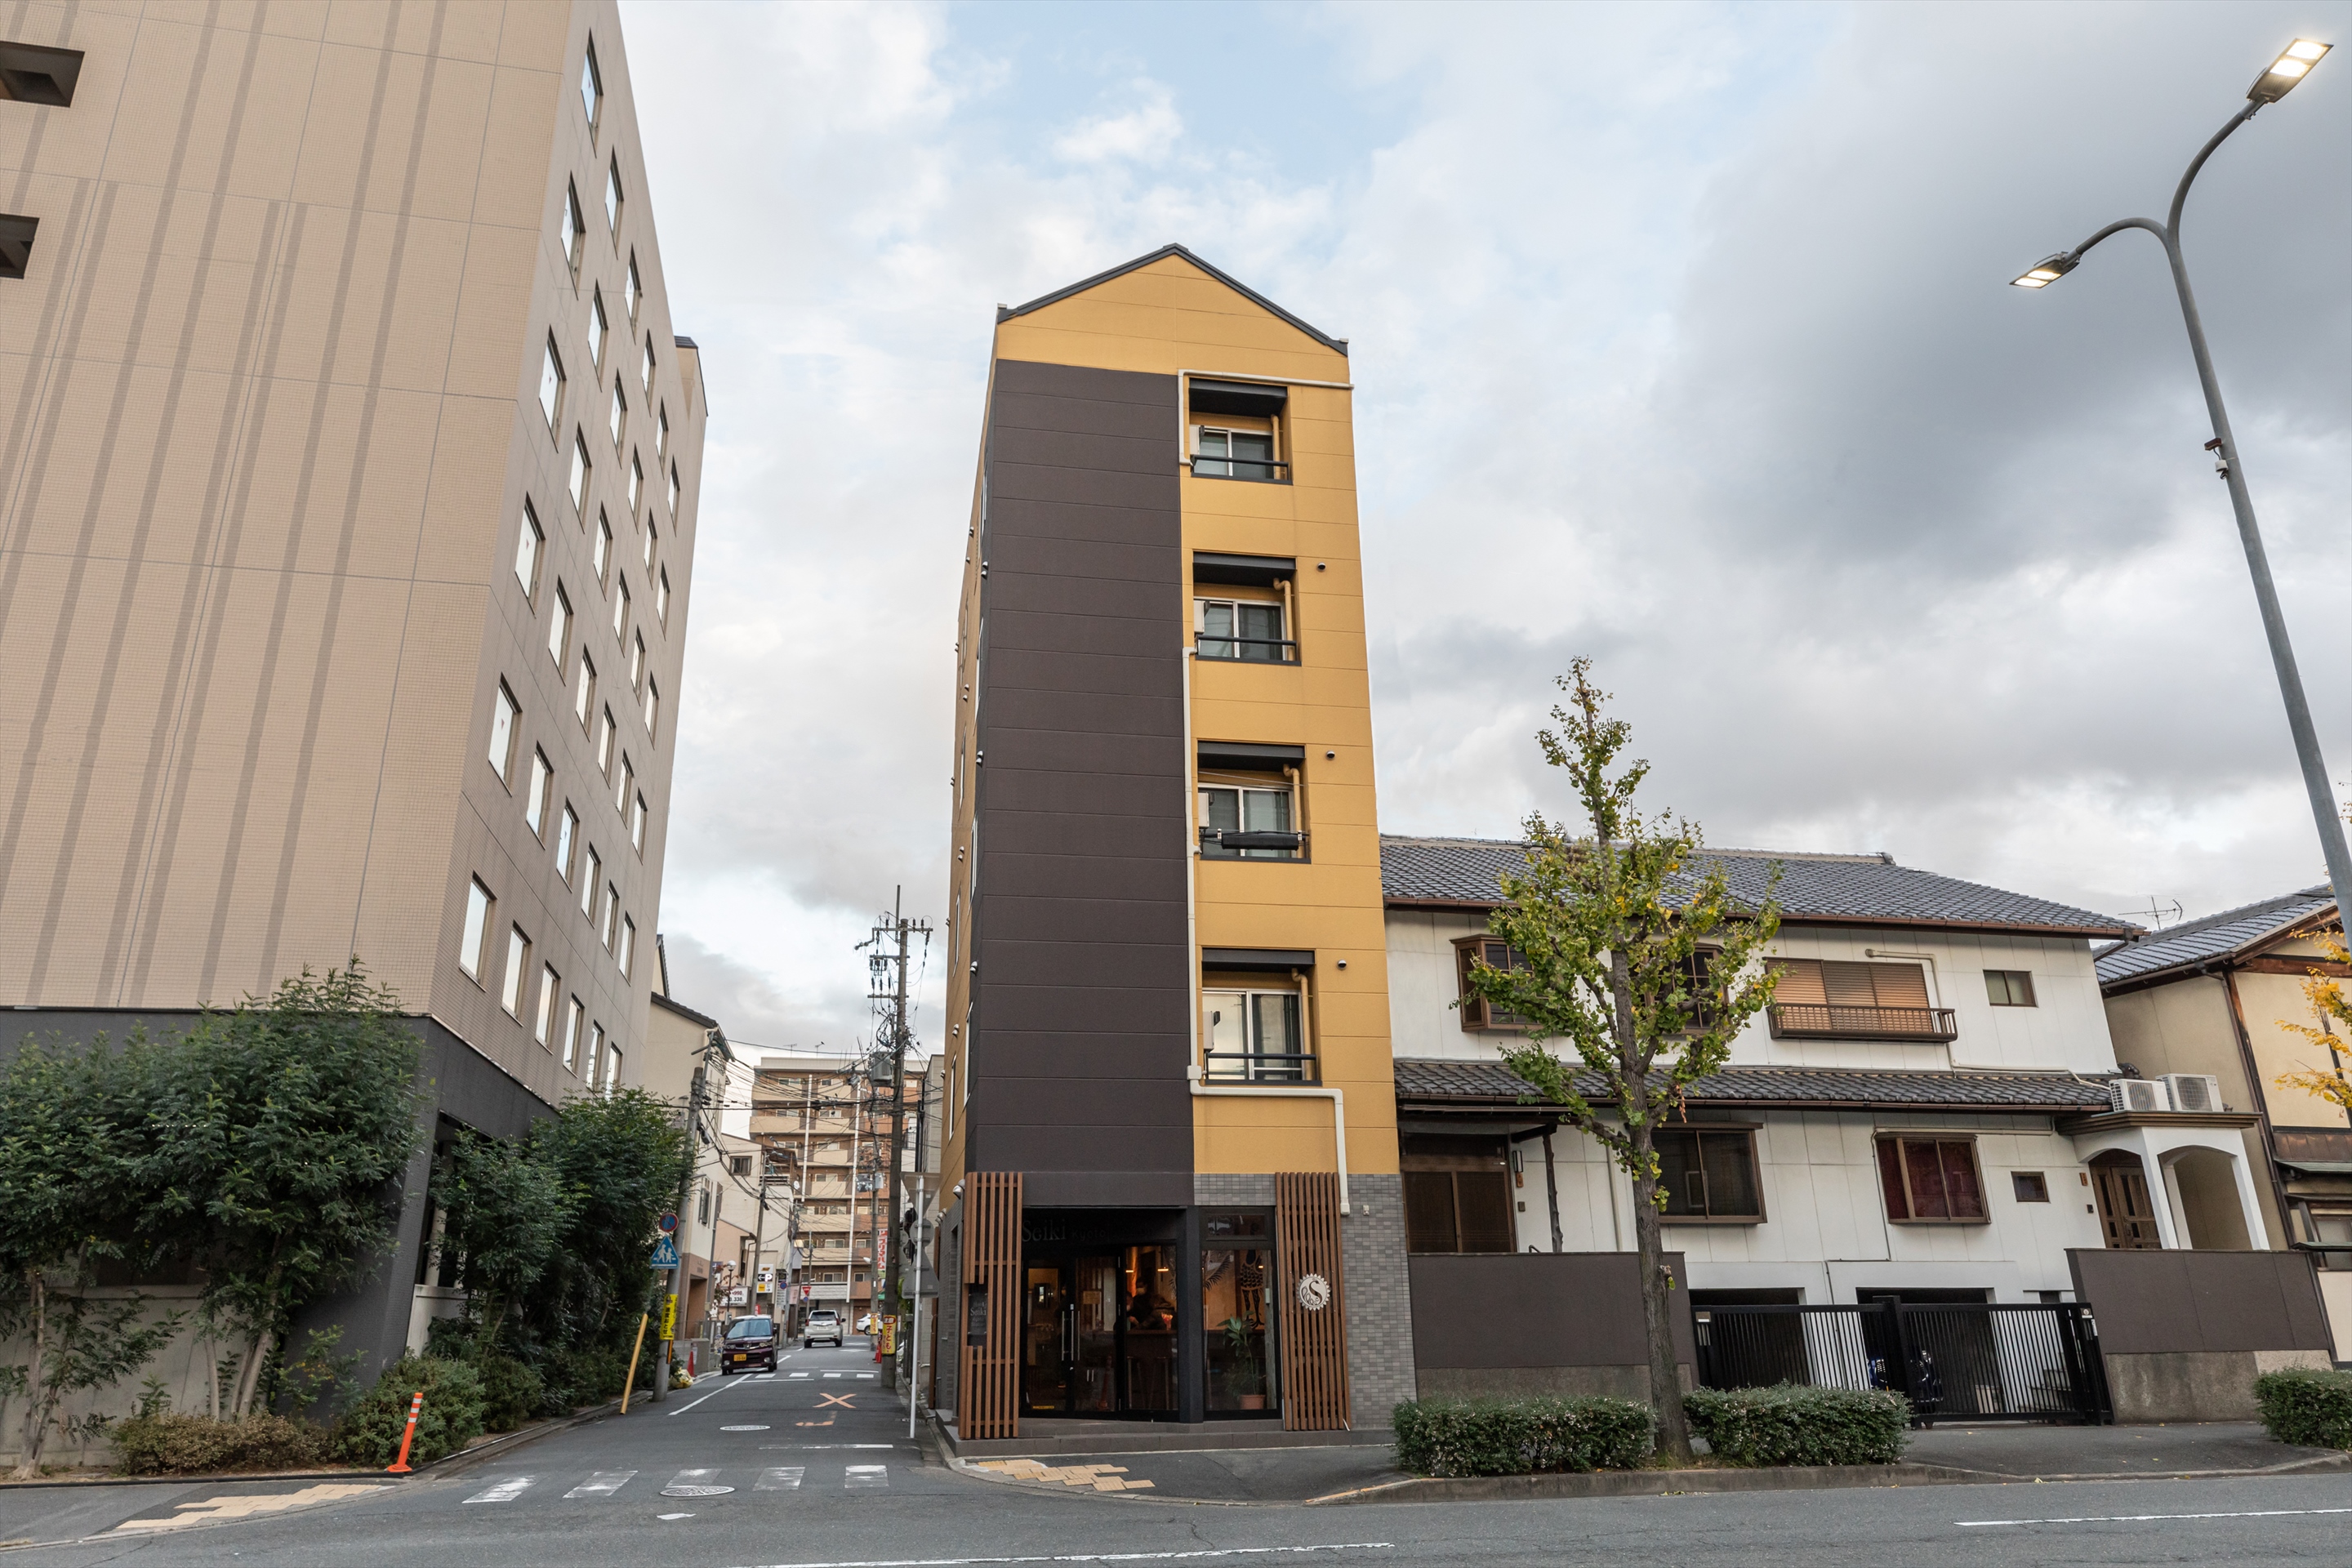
<point x="1079" y="1478"/>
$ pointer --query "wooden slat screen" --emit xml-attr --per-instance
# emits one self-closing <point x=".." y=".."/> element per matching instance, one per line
<point x="988" y="1395"/>
<point x="1314" y="1343"/>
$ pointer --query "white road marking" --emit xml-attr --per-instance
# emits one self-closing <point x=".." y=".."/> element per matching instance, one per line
<point x="505" y="1491"/>
<point x="833" y="1374"/>
<point x="706" y="1398"/>
<point x="810" y="1446"/>
<point x="866" y="1475"/>
<point x="797" y="1375"/>
<point x="743" y="1428"/>
<point x="867" y="1375"/>
<point x="782" y="1479"/>
<point x="2148" y="1518"/>
<point x="673" y="1515"/>
<point x="604" y="1483"/>
<point x="1093" y="1556"/>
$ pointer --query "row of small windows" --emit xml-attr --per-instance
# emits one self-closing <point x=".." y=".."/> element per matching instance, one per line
<point x="530" y="547"/>
<point x="559" y="1022"/>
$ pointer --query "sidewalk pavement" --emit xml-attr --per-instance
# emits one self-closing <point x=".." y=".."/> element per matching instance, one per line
<point x="1946" y="1454"/>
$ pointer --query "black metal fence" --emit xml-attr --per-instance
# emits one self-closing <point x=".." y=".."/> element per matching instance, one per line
<point x="1972" y="1361"/>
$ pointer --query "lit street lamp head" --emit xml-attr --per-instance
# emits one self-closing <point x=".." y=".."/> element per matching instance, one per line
<point x="2292" y="64"/>
<point x="2044" y="272"/>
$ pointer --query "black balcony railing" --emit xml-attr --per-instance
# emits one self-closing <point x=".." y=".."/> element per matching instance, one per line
<point x="1262" y="1067"/>
<point x="1248" y="650"/>
<point x="1264" y="471"/>
<point x="1812" y="1021"/>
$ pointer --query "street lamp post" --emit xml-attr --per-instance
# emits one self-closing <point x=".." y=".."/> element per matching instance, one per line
<point x="2291" y="66"/>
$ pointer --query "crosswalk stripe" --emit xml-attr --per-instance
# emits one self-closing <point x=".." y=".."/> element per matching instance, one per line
<point x="861" y="1476"/>
<point x="780" y="1479"/>
<point x="604" y="1483"/>
<point x="505" y="1491"/>
<point x="833" y="1374"/>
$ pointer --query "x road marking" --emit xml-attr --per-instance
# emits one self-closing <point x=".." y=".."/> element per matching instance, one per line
<point x="840" y="1401"/>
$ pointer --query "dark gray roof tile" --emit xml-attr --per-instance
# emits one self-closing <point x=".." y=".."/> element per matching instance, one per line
<point x="2213" y="936"/>
<point x="1491" y="1083"/>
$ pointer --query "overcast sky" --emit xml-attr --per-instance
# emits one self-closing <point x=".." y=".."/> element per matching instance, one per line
<point x="1680" y="338"/>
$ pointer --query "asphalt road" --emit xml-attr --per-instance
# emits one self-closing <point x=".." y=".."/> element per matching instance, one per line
<point x="819" y="1472"/>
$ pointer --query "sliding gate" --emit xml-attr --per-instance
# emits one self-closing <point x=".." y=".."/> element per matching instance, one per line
<point x="1972" y="1361"/>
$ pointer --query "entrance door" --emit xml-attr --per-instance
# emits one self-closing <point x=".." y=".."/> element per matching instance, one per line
<point x="2126" y="1216"/>
<point x="1099" y="1333"/>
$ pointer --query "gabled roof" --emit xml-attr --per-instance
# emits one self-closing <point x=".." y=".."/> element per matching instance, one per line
<point x="1475" y="1085"/>
<point x="683" y="1011"/>
<point x="1864" y="889"/>
<point x="2232" y="933"/>
<point x="1006" y="312"/>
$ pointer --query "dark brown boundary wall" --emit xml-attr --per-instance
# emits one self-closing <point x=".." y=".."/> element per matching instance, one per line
<point x="1536" y="1322"/>
<point x="1083" y="995"/>
<point x="2185" y="1334"/>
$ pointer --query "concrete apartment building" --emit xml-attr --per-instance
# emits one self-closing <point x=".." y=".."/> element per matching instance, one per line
<point x="815" y="1116"/>
<point x="1171" y="1160"/>
<point x="349" y="459"/>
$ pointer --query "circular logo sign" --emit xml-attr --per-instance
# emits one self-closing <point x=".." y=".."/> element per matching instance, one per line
<point x="1313" y="1292"/>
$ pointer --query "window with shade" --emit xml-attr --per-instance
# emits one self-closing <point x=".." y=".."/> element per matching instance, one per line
<point x="1457" y="1194"/>
<point x="1478" y="1012"/>
<point x="1931" y="1180"/>
<point x="1829" y="999"/>
<point x="1709" y="1175"/>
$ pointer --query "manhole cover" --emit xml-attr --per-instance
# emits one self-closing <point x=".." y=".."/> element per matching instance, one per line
<point x="695" y="1491"/>
<point x="743" y="1428"/>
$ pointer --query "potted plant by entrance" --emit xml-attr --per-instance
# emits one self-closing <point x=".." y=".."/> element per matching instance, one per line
<point x="1242" y="1376"/>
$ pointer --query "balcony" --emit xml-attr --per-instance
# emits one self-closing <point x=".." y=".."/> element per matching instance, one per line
<point x="1229" y="843"/>
<point x="1262" y="1067"/>
<point x="1246" y="650"/>
<point x="1811" y="1021"/>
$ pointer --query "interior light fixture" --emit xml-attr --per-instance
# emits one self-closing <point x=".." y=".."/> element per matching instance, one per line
<point x="2294" y="63"/>
<point x="2045" y="272"/>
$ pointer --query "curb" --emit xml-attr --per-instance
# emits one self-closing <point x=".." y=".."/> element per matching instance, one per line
<point x="1788" y="1478"/>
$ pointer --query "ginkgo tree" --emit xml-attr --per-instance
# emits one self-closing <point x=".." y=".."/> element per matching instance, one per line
<point x="1628" y="947"/>
<point x="2331" y="1012"/>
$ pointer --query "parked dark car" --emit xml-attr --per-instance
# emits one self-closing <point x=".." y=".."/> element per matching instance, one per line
<point x="825" y="1323"/>
<point x="750" y="1342"/>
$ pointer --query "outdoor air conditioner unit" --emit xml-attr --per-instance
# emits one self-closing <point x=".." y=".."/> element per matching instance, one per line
<point x="2193" y="1090"/>
<point x="2139" y="1094"/>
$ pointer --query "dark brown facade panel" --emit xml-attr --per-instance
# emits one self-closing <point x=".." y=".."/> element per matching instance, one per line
<point x="1151" y="1023"/>
<point x="1141" y="459"/>
<point x="1137" y="1144"/>
<point x="1010" y="485"/>
<point x="1078" y="713"/>
<point x="1154" y="801"/>
<point x="1083" y="416"/>
<point x="1152" y="615"/>
<point x="1119" y="920"/>
<point x="1073" y="522"/>
<point x="1039" y="1053"/>
<point x="1017" y="975"/>
<point x="1035" y="869"/>
<point x="1118" y="1188"/>
<point x="1096" y="674"/>
<point x="1084" y="562"/>
<point x="1013" y="377"/>
<point x="1054" y="629"/>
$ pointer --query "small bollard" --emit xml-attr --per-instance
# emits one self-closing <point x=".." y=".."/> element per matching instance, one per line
<point x="400" y="1467"/>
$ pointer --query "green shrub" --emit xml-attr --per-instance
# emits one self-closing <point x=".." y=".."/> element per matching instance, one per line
<point x="2306" y="1406"/>
<point x="452" y="1417"/>
<point x="1794" y="1426"/>
<point x="1521" y="1436"/>
<point x="578" y="1378"/>
<point x="510" y="1390"/>
<point x="165" y="1443"/>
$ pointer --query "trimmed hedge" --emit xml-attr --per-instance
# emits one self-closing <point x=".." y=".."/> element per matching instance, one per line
<point x="452" y="1417"/>
<point x="1521" y="1436"/>
<point x="2306" y="1406"/>
<point x="170" y="1443"/>
<point x="1795" y="1426"/>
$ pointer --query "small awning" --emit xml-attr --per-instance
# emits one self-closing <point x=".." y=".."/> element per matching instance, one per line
<point x="1249" y="399"/>
<point x="1269" y="960"/>
<point x="1251" y="756"/>
<point x="1244" y="571"/>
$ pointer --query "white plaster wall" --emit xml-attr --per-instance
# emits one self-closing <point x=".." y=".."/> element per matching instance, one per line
<point x="1825" y="1230"/>
<point x="2066" y="1031"/>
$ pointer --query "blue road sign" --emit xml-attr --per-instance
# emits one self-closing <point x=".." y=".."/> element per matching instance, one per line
<point x="667" y="1224"/>
<point x="666" y="1254"/>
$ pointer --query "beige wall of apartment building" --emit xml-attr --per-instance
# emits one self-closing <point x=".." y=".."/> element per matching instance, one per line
<point x="812" y="1117"/>
<point x="344" y="428"/>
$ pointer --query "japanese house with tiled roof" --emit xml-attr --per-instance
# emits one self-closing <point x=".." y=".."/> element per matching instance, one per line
<point x="1924" y="1111"/>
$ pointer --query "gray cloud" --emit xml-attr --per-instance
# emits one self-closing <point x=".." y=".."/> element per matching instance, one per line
<point x="1681" y="339"/>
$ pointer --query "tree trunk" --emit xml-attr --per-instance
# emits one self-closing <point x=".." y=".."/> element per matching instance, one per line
<point x="248" y="1376"/>
<point x="1658" y="1305"/>
<point x="36" y="1419"/>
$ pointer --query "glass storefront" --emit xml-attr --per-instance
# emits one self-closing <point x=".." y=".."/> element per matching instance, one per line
<point x="1098" y="1332"/>
<point x="1237" y="1312"/>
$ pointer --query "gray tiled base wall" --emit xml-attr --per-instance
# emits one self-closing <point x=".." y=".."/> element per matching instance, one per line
<point x="1379" y="1299"/>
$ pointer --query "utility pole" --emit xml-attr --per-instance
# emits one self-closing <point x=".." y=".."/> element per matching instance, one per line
<point x="894" y="934"/>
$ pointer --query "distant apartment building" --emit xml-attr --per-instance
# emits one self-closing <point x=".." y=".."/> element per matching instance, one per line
<point x="349" y="462"/>
<point x="1171" y="1166"/>
<point x="829" y="1125"/>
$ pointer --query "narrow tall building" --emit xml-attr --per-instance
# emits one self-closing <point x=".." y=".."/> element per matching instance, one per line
<point x="349" y="458"/>
<point x="1171" y="1147"/>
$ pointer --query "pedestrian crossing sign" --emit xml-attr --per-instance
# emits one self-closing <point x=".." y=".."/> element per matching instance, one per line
<point x="666" y="1254"/>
